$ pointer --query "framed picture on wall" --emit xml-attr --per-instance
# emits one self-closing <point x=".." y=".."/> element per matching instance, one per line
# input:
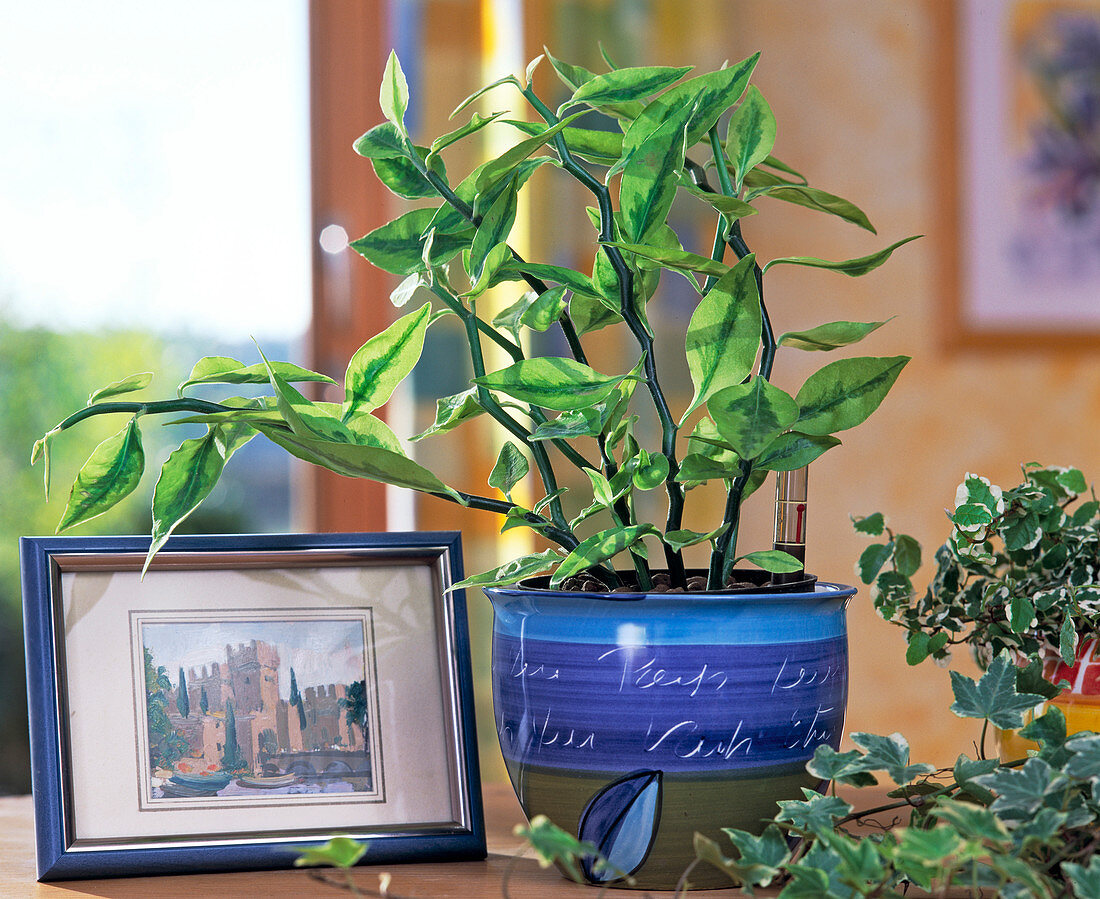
<point x="1027" y="90"/>
<point x="248" y="697"/>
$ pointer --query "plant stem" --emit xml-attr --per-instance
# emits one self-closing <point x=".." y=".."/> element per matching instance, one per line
<point x="537" y="523"/>
<point x="674" y="520"/>
<point x="159" y="407"/>
<point x="725" y="552"/>
<point x="517" y="354"/>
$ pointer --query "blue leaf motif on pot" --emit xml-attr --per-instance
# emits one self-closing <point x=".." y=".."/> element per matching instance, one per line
<point x="621" y="820"/>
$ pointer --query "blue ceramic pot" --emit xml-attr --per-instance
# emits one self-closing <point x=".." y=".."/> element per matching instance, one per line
<point x="634" y="720"/>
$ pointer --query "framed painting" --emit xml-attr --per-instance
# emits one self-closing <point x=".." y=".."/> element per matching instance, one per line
<point x="1026" y="106"/>
<point x="248" y="697"/>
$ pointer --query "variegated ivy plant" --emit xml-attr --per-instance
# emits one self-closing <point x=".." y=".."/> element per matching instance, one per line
<point x="1020" y="571"/>
<point x="662" y="138"/>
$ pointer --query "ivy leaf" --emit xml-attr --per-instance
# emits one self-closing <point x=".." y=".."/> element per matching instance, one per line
<point x="381" y="363"/>
<point x="906" y="555"/>
<point x="851" y="267"/>
<point x="513" y="571"/>
<point x="553" y="845"/>
<point x="917" y="649"/>
<point x="624" y="85"/>
<point x="844" y="393"/>
<point x="1067" y="641"/>
<point x="972" y="821"/>
<point x="188" y="476"/>
<point x="1021" y="791"/>
<point x="872" y="559"/>
<point x="552" y="382"/>
<point x="1085" y="764"/>
<point x="1086" y="881"/>
<point x="393" y="96"/>
<point x="599" y="548"/>
<point x="750" y="416"/>
<point x="994" y="696"/>
<point x="816" y="813"/>
<point x="843" y="767"/>
<point x="873" y="524"/>
<point x="126" y="385"/>
<point x="761" y="856"/>
<point x="751" y="134"/>
<point x="511" y="467"/>
<point x="829" y="336"/>
<point x="723" y="336"/>
<point x="112" y="473"/>
<point x="1049" y="729"/>
<point x="966" y="769"/>
<point x="339" y="852"/>
<point x="890" y="754"/>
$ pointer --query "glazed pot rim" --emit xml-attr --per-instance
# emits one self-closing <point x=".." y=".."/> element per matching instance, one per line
<point x="821" y="590"/>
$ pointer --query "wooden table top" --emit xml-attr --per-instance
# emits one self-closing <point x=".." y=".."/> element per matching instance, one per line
<point x="460" y="880"/>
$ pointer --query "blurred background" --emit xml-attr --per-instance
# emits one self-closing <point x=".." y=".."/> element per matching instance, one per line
<point x="178" y="182"/>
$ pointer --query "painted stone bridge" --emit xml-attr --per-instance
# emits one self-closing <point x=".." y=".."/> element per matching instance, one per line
<point x="323" y="762"/>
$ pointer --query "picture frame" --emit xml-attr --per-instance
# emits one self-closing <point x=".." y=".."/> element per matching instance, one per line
<point x="1023" y="264"/>
<point x="248" y="697"/>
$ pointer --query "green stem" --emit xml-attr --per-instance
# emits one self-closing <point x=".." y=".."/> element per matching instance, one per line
<point x="536" y="284"/>
<point x="517" y="354"/>
<point x="563" y="538"/>
<point x="674" y="520"/>
<point x="725" y="552"/>
<point x="159" y="407"/>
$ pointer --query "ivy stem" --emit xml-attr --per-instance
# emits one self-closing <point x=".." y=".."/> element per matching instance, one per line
<point x="674" y="521"/>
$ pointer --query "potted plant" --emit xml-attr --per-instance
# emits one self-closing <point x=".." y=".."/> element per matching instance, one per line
<point x="1019" y="573"/>
<point x="634" y="707"/>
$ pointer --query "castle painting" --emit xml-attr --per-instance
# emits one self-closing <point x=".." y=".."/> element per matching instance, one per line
<point x="254" y="709"/>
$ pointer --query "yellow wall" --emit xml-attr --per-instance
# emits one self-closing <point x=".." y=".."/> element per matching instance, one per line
<point x="857" y="89"/>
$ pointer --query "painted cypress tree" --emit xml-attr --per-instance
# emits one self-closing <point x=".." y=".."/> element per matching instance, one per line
<point x="296" y="699"/>
<point x="232" y="759"/>
<point x="183" y="703"/>
<point x="204" y="702"/>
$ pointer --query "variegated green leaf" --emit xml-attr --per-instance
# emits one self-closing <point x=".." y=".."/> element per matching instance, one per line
<point x="506" y="79"/>
<point x="381" y="363"/>
<point x="843" y="393"/>
<point x="792" y="450"/>
<point x="570" y="425"/>
<point x="502" y="166"/>
<point x="224" y="370"/>
<point x="382" y="142"/>
<point x="829" y="336"/>
<point x="130" y="384"/>
<point x="398" y="246"/>
<point x="451" y="411"/>
<point x="188" y="476"/>
<point x="723" y="336"/>
<point x="683" y="538"/>
<point x="545" y="310"/>
<point x="750" y="416"/>
<point x="600" y="147"/>
<point x="511" y="467"/>
<point x="514" y="571"/>
<point x="623" y="85"/>
<point x="495" y="227"/>
<point x="765" y="184"/>
<point x="773" y="560"/>
<point x="112" y="473"/>
<point x="751" y="134"/>
<point x="495" y="269"/>
<point x="852" y="267"/>
<point x="710" y="95"/>
<point x="404" y="179"/>
<point x="393" y="96"/>
<point x="552" y="382"/>
<point x="649" y="179"/>
<point x="358" y="461"/>
<point x="599" y="548"/>
<point x="476" y="123"/>
<point x="676" y="259"/>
